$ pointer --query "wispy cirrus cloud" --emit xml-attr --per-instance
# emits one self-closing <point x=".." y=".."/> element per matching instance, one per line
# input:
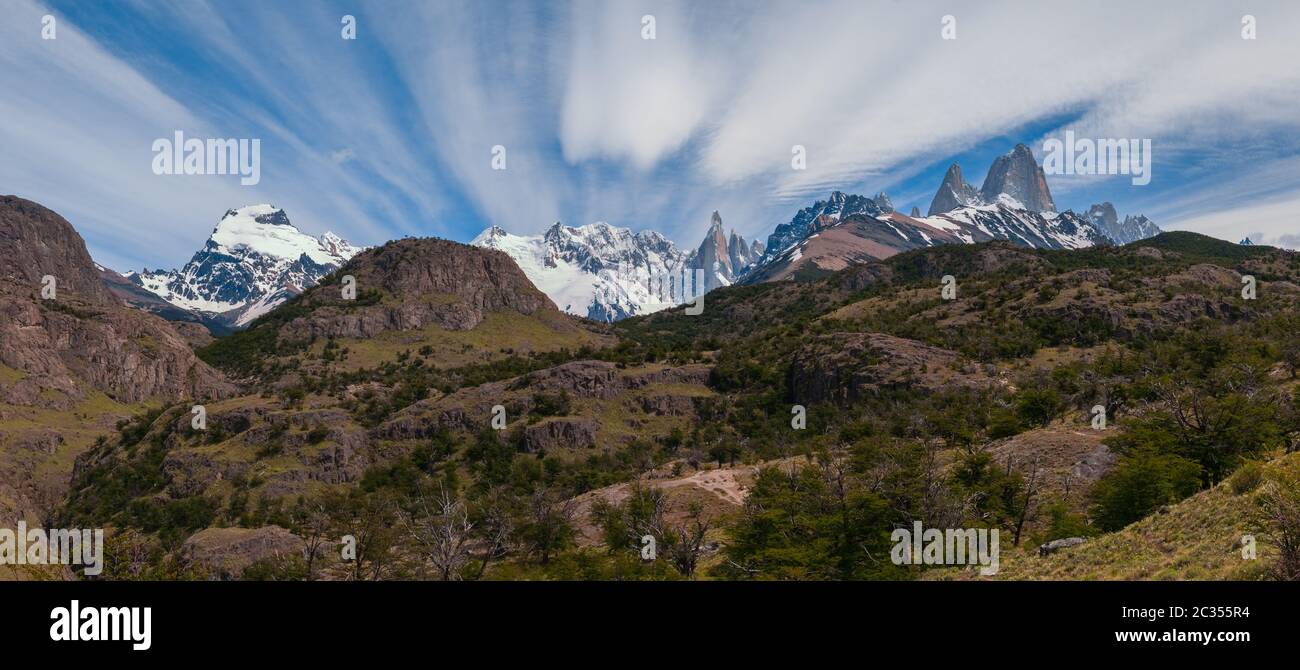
<point x="393" y="133"/>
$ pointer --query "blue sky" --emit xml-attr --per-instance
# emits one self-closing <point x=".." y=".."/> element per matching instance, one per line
<point x="391" y="134"/>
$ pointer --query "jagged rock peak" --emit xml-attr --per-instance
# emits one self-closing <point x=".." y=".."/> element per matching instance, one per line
<point x="953" y="192"/>
<point x="1018" y="174"/>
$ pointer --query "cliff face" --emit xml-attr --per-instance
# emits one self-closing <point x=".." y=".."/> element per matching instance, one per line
<point x="84" y="338"/>
<point x="35" y="242"/>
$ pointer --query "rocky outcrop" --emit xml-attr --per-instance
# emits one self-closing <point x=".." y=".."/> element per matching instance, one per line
<point x="1057" y="545"/>
<point x="953" y="192"/>
<point x="412" y="283"/>
<point x="554" y="434"/>
<point x="225" y="553"/>
<point x="1131" y="229"/>
<point x="35" y="242"/>
<point x="843" y="367"/>
<point x="470" y="409"/>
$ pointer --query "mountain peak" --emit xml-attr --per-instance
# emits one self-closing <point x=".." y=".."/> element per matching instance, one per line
<point x="1018" y="174"/>
<point x="954" y="192"/>
<point x="254" y="260"/>
<point x="1131" y="229"/>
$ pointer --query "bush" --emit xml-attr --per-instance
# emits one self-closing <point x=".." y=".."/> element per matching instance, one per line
<point x="1247" y="478"/>
<point x="1037" y="407"/>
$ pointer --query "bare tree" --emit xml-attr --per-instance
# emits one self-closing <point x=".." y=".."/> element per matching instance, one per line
<point x="685" y="541"/>
<point x="1032" y="484"/>
<point x="441" y="527"/>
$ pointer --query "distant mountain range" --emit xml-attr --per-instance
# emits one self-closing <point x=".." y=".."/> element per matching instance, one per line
<point x="607" y="273"/>
<point x="256" y="259"/>
<point x="1014" y="204"/>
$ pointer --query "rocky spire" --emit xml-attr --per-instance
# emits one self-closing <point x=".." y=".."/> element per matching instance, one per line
<point x="1018" y="175"/>
<point x="954" y="192"/>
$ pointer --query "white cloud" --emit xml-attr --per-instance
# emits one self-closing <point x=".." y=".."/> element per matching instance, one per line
<point x="1272" y="223"/>
<point x="628" y="97"/>
<point x="601" y="124"/>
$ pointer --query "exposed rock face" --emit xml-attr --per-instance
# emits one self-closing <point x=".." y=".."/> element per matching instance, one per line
<point x="560" y="433"/>
<point x="85" y="335"/>
<point x="35" y="242"/>
<point x="1104" y="216"/>
<point x="1018" y="175"/>
<point x="954" y="192"/>
<point x="742" y="255"/>
<point x="411" y="283"/>
<point x="196" y="334"/>
<point x="883" y="201"/>
<point x="470" y="408"/>
<point x="916" y="212"/>
<point x="722" y="258"/>
<point x="225" y="553"/>
<point x="847" y="366"/>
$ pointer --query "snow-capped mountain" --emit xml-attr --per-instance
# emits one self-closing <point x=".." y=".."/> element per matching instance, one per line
<point x="254" y="260"/>
<point x="607" y="273"/>
<point x="809" y="219"/>
<point x="1015" y="174"/>
<point x="1014" y="205"/>
<point x="598" y="271"/>
<point x="1131" y="229"/>
<point x="835" y="242"/>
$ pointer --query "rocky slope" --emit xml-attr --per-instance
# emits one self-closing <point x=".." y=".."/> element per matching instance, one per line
<point x="73" y="364"/>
